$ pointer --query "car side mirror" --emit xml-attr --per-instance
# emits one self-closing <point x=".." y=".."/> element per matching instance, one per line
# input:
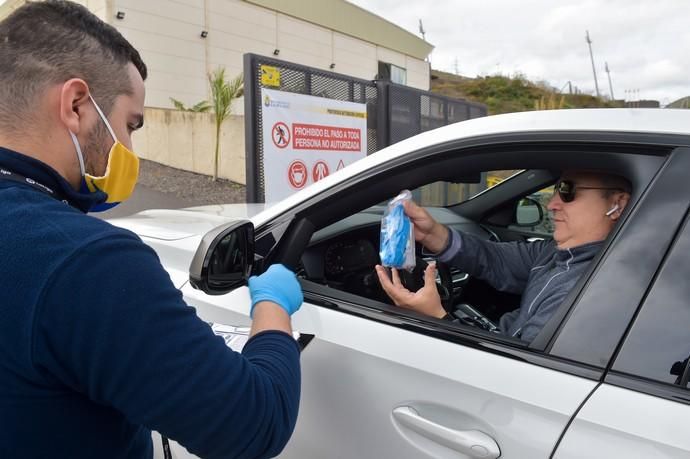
<point x="223" y="261"/>
<point x="528" y="212"/>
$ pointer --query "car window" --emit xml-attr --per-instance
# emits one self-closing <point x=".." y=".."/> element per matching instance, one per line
<point x="441" y="194"/>
<point x="343" y="254"/>
<point x="658" y="345"/>
<point x="444" y="194"/>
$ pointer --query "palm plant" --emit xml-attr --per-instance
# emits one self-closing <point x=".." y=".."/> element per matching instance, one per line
<point x="222" y="95"/>
<point x="199" y="107"/>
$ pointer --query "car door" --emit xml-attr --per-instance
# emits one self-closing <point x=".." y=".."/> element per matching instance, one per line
<point x="373" y="390"/>
<point x="642" y="407"/>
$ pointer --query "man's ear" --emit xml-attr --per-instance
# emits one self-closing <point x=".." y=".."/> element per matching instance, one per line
<point x="621" y="201"/>
<point x="74" y="95"/>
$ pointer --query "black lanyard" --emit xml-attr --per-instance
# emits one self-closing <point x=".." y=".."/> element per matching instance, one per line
<point x="167" y="454"/>
<point x="15" y="177"/>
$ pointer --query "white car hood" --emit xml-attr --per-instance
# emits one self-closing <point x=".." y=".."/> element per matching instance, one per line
<point x="175" y="234"/>
<point x="175" y="224"/>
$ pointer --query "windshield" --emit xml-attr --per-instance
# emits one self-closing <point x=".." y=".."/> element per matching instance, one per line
<point x="444" y="194"/>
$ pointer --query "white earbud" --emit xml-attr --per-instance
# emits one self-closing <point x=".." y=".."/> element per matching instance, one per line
<point x="613" y="209"/>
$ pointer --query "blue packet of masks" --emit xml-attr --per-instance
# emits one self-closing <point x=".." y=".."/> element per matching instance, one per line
<point x="397" y="235"/>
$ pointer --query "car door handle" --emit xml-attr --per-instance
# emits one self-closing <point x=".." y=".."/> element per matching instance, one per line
<point x="472" y="443"/>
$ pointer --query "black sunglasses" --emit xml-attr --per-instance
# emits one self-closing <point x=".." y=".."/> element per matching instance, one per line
<point x="566" y="189"/>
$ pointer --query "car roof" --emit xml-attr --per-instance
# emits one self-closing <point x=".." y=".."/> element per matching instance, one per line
<point x="610" y="120"/>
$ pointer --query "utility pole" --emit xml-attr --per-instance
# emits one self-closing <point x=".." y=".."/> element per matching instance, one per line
<point x="457" y="68"/>
<point x="608" y="72"/>
<point x="591" y="56"/>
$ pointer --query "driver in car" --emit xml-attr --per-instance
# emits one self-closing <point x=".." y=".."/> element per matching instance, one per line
<point x="585" y="207"/>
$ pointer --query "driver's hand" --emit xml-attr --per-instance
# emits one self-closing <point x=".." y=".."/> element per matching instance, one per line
<point x="430" y="233"/>
<point x="426" y="300"/>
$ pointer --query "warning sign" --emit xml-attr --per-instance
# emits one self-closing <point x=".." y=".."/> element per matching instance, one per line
<point x="309" y="136"/>
<point x="319" y="171"/>
<point x="333" y="138"/>
<point x="270" y="76"/>
<point x="281" y="135"/>
<point x="297" y="174"/>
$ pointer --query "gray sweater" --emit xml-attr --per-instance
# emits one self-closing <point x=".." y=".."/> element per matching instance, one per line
<point x="538" y="271"/>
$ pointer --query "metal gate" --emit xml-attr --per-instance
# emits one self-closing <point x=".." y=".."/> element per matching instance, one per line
<point x="394" y="112"/>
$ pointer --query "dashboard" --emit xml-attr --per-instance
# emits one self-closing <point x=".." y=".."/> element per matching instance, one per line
<point x="349" y="255"/>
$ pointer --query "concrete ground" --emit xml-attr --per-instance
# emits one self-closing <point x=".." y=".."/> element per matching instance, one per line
<point x="145" y="198"/>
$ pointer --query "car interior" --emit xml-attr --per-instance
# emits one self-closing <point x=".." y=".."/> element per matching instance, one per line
<point x="333" y="241"/>
<point x="343" y="255"/>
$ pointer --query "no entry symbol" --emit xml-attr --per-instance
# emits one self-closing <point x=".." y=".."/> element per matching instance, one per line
<point x="297" y="174"/>
<point x="280" y="135"/>
<point x="319" y="171"/>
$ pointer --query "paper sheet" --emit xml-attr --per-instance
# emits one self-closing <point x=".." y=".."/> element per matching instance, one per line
<point x="236" y="337"/>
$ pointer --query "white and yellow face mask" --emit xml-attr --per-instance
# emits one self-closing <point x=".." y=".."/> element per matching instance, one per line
<point x="121" y="172"/>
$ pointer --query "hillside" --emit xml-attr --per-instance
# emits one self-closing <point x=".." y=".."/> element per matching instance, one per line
<point x="502" y="94"/>
<point x="680" y="103"/>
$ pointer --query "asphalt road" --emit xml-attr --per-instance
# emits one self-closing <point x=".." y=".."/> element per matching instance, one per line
<point x="145" y="198"/>
<point x="164" y="187"/>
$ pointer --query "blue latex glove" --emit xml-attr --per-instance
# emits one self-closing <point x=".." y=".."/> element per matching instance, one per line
<point x="277" y="285"/>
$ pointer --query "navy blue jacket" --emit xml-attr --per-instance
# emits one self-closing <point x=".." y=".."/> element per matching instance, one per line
<point x="97" y="346"/>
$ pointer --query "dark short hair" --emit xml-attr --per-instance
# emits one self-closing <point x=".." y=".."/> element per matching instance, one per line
<point x="49" y="42"/>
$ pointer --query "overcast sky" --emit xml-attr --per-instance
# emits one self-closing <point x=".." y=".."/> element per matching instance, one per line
<point x="645" y="42"/>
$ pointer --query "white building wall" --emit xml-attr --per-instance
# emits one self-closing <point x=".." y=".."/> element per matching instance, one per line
<point x="236" y="28"/>
<point x="187" y="141"/>
<point x="167" y="34"/>
<point x="304" y="43"/>
<point x="354" y="57"/>
<point x="417" y="73"/>
<point x="391" y="57"/>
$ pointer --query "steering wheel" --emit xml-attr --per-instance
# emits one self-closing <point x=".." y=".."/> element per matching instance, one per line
<point x="463" y="312"/>
<point x="414" y="280"/>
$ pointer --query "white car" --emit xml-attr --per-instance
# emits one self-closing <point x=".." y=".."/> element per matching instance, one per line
<point x="607" y="376"/>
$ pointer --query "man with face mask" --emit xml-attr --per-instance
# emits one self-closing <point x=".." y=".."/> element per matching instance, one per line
<point x="97" y="347"/>
<point x="585" y="207"/>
